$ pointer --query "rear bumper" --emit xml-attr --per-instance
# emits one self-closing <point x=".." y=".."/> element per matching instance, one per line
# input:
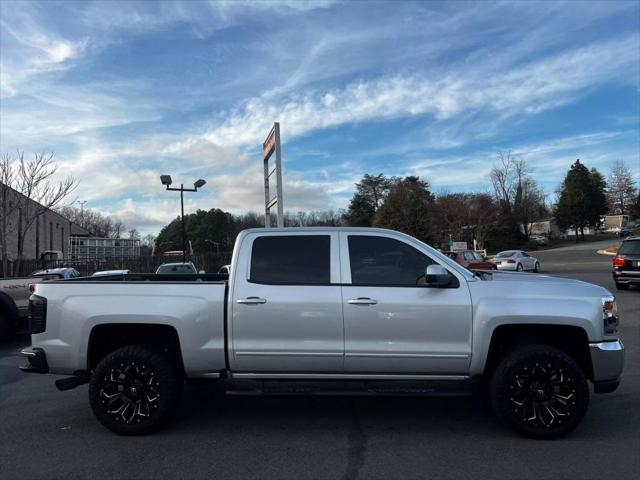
<point x="626" y="276"/>
<point x="507" y="266"/>
<point x="37" y="361"/>
<point x="607" y="359"/>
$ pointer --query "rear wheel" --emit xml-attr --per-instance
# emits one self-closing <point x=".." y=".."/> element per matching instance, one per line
<point x="519" y="267"/>
<point x="536" y="267"/>
<point x="539" y="391"/>
<point x="134" y="390"/>
<point x="622" y="286"/>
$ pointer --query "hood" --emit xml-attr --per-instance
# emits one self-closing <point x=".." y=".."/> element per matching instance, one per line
<point x="538" y="280"/>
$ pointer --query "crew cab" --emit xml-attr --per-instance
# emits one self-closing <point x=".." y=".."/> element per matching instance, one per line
<point x="331" y="310"/>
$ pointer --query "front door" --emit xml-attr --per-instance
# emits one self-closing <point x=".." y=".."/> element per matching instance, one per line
<point x="287" y="305"/>
<point x="393" y="321"/>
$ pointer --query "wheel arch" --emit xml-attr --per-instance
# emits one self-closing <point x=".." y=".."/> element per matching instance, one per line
<point x="108" y="337"/>
<point x="572" y="340"/>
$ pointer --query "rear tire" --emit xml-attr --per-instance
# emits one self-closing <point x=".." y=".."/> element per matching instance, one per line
<point x="622" y="286"/>
<point x="519" y="268"/>
<point x="539" y="391"/>
<point x="134" y="390"/>
<point x="536" y="267"/>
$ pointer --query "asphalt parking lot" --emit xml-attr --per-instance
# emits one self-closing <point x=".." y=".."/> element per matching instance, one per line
<point x="46" y="433"/>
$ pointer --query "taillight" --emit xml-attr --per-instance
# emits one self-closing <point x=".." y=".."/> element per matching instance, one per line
<point x="37" y="314"/>
<point x="511" y="261"/>
<point x="32" y="288"/>
<point x="618" y="261"/>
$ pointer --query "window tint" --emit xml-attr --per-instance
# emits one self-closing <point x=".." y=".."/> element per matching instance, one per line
<point x="291" y="259"/>
<point x="385" y="261"/>
<point x="630" y="247"/>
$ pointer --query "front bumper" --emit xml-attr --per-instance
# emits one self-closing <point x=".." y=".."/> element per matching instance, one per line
<point x="607" y="360"/>
<point x="37" y="361"/>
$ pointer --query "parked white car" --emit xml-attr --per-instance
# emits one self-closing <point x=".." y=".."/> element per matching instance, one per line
<point x="516" y="260"/>
<point x="539" y="240"/>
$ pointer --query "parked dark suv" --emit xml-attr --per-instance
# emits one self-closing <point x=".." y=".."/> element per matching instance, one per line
<point x="626" y="264"/>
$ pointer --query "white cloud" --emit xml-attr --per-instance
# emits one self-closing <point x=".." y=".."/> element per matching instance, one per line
<point x="528" y="88"/>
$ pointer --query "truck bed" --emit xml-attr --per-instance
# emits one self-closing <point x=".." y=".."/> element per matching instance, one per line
<point x="193" y="305"/>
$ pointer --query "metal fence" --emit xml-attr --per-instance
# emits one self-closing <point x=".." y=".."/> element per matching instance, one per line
<point x="209" y="262"/>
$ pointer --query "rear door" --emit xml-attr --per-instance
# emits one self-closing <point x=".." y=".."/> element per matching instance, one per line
<point x="393" y="322"/>
<point x="286" y="304"/>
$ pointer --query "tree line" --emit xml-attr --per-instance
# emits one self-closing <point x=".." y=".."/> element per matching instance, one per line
<point x="496" y="219"/>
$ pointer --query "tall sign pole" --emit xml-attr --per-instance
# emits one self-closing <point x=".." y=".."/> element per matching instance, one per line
<point x="270" y="146"/>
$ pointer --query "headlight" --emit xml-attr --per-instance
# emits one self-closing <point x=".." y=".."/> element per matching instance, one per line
<point x="610" y="315"/>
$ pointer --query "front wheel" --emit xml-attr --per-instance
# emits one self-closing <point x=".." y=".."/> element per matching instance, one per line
<point x="539" y="391"/>
<point x="134" y="390"/>
<point x="536" y="267"/>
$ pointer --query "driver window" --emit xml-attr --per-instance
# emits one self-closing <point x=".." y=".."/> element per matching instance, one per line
<point x="385" y="261"/>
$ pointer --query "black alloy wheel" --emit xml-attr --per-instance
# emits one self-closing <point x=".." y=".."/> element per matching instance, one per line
<point x="539" y="391"/>
<point x="134" y="390"/>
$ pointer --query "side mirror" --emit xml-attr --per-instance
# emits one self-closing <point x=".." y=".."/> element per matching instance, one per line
<point x="437" y="276"/>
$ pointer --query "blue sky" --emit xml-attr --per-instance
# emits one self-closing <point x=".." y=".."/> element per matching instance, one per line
<point x="124" y="91"/>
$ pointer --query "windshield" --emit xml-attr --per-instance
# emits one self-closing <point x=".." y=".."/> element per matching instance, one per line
<point x="630" y="247"/>
<point x="508" y="253"/>
<point x="176" y="269"/>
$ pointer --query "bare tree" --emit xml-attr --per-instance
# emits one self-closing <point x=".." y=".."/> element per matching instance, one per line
<point x="7" y="207"/>
<point x="621" y="190"/>
<point x="36" y="192"/>
<point x="505" y="177"/>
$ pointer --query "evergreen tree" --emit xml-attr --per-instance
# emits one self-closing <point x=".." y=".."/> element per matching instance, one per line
<point x="369" y="196"/>
<point x="408" y="207"/>
<point x="581" y="200"/>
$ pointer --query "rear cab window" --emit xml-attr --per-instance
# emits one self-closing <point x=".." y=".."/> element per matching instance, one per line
<point x="291" y="260"/>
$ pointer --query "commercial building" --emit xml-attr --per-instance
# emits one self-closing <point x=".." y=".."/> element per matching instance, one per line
<point x="93" y="248"/>
<point x="49" y="231"/>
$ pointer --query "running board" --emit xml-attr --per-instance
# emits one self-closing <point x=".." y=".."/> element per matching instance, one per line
<point x="349" y="387"/>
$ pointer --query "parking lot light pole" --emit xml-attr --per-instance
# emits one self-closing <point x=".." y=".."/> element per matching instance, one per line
<point x="166" y="181"/>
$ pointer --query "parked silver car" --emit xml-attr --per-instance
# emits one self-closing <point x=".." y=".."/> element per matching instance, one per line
<point x="516" y="260"/>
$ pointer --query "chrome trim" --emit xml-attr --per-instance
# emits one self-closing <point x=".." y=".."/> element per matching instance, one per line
<point x="251" y="300"/>
<point x="615" y="345"/>
<point x="362" y="301"/>
<point x="347" y="376"/>
<point x="408" y="355"/>
<point x="607" y="360"/>
<point x="27" y="353"/>
<point x="291" y="354"/>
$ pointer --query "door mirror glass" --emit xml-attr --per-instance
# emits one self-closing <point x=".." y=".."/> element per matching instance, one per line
<point x="437" y="276"/>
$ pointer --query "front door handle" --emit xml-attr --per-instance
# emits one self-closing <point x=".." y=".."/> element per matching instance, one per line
<point x="362" y="301"/>
<point x="252" y="300"/>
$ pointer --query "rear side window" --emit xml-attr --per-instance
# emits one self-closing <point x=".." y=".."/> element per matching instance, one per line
<point x="291" y="259"/>
<point x="385" y="261"/>
<point x="630" y="247"/>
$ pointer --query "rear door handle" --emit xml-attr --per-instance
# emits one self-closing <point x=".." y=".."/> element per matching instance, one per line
<point x="362" y="301"/>
<point x="252" y="300"/>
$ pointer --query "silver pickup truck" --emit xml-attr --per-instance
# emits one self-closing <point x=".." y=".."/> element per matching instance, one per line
<point x="331" y="310"/>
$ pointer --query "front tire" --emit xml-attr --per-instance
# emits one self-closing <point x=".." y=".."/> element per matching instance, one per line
<point x="536" y="267"/>
<point x="539" y="391"/>
<point x="134" y="390"/>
